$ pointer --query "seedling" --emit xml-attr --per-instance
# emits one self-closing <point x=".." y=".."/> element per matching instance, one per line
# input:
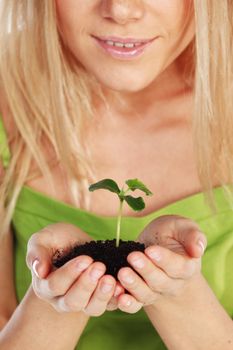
<point x="112" y="253"/>
<point x="136" y="203"/>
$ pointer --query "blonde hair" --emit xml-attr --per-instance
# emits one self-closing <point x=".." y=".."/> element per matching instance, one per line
<point x="212" y="120"/>
<point x="46" y="88"/>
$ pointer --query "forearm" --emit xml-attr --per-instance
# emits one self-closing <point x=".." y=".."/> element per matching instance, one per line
<point x="194" y="321"/>
<point x="37" y="325"/>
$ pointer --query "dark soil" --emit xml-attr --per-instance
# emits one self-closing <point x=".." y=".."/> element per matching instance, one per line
<point x="105" y="251"/>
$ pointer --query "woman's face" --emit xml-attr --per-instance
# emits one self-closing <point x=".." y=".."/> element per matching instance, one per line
<point x="125" y="44"/>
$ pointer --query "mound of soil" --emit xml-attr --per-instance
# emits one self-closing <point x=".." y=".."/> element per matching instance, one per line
<point x="106" y="251"/>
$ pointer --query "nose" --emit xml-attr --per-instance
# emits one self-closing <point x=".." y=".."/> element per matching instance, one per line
<point x="122" y="11"/>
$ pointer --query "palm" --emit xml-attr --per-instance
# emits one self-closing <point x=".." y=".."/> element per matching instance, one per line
<point x="61" y="237"/>
<point x="163" y="232"/>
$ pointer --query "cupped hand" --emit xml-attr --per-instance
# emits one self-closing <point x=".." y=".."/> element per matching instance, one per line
<point x="80" y="284"/>
<point x="171" y="261"/>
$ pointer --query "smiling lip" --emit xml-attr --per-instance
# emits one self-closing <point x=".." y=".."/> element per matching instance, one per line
<point x="123" y="40"/>
<point x="125" y="53"/>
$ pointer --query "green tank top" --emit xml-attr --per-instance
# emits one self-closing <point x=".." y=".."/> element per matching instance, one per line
<point x="116" y="330"/>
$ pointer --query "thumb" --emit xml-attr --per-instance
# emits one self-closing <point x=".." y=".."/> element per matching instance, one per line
<point x="39" y="261"/>
<point x="194" y="242"/>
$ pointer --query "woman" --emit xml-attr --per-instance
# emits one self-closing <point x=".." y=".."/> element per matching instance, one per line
<point x="116" y="89"/>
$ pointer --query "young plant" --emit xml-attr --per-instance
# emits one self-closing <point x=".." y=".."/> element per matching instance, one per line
<point x="136" y="203"/>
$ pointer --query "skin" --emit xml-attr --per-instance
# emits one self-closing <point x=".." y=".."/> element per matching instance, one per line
<point x="174" y="247"/>
<point x="69" y="288"/>
<point x="135" y="19"/>
<point x="169" y="285"/>
<point x="171" y="260"/>
<point x="147" y="77"/>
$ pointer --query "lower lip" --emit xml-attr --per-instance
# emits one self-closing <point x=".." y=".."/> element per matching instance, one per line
<point x="124" y="53"/>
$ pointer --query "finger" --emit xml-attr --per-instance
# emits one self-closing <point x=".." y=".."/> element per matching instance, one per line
<point x="189" y="235"/>
<point x="112" y="304"/>
<point x="42" y="245"/>
<point x="173" y="264"/>
<point x="196" y="244"/>
<point x="80" y="293"/>
<point x="101" y="296"/>
<point x="119" y="289"/>
<point x="127" y="303"/>
<point x="154" y="276"/>
<point x="59" y="281"/>
<point x="136" y="286"/>
<point x="38" y="260"/>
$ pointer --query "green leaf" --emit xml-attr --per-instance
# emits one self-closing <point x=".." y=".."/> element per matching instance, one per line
<point x="135" y="184"/>
<point x="106" y="184"/>
<point x="136" y="204"/>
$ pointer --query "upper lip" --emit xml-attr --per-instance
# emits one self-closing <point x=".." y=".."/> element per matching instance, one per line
<point x="122" y="40"/>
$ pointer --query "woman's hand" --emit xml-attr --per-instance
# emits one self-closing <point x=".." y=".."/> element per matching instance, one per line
<point x="80" y="284"/>
<point x="172" y="259"/>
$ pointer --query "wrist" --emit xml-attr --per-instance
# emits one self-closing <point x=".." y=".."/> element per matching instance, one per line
<point x="180" y="298"/>
<point x="50" y="311"/>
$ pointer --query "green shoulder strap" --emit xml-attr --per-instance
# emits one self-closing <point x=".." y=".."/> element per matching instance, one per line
<point x="4" y="148"/>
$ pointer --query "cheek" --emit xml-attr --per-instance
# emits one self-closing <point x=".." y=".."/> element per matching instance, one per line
<point x="171" y="15"/>
<point x="71" y="15"/>
<point x="178" y="25"/>
<point x="77" y="19"/>
<point x="65" y="14"/>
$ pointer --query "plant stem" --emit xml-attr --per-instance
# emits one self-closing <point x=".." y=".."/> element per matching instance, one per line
<point x="118" y="233"/>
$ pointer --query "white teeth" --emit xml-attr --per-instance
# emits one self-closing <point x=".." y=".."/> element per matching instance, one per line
<point x="110" y="42"/>
<point x="130" y="45"/>
<point x="118" y="44"/>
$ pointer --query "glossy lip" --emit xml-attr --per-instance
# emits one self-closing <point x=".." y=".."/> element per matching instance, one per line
<point x="123" y="40"/>
<point x="123" y="53"/>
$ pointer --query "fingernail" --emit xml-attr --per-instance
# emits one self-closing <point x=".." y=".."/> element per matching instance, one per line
<point x="201" y="245"/>
<point x="82" y="265"/>
<point x="118" y="291"/>
<point x="138" y="263"/>
<point x="128" y="279"/>
<point x="106" y="288"/>
<point x="96" y="274"/>
<point x="34" y="267"/>
<point x="127" y="302"/>
<point x="154" y="254"/>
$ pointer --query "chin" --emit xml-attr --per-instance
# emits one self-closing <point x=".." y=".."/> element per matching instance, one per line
<point x="125" y="85"/>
